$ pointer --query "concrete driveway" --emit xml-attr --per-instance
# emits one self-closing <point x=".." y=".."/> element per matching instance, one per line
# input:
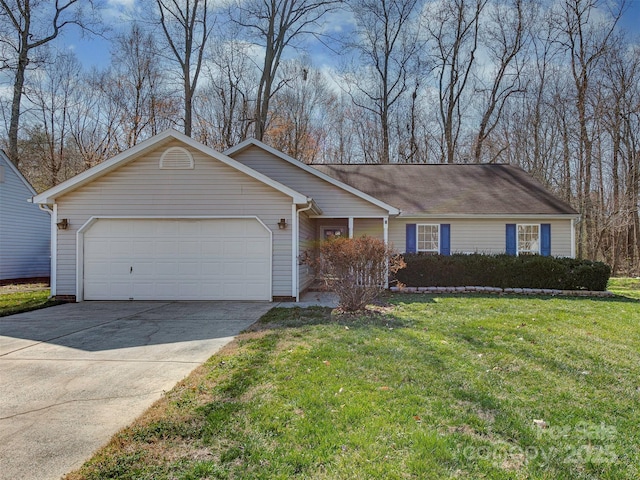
<point x="73" y="375"/>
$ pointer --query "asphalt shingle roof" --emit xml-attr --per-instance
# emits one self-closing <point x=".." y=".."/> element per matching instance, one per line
<point x="495" y="189"/>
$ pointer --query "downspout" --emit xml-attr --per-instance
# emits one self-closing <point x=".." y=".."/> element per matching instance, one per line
<point x="53" y="246"/>
<point x="297" y="246"/>
<point x="574" y="222"/>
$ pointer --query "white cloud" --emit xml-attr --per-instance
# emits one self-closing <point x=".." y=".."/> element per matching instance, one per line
<point x="122" y="4"/>
<point x="119" y="10"/>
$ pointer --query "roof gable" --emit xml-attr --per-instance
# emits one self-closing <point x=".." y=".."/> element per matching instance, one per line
<point x="154" y="142"/>
<point x="252" y="142"/>
<point x="452" y="189"/>
<point x="10" y="168"/>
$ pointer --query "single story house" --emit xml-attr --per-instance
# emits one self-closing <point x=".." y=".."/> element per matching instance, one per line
<point x="25" y="229"/>
<point x="174" y="219"/>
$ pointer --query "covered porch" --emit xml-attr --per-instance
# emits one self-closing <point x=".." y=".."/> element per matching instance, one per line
<point x="316" y="229"/>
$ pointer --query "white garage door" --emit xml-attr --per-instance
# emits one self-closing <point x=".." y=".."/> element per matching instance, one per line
<point x="181" y="259"/>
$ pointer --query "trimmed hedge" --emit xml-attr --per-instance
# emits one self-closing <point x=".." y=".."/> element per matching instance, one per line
<point x="504" y="271"/>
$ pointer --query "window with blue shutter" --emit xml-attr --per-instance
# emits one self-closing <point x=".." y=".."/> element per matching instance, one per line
<point x="545" y="239"/>
<point x="511" y="240"/>
<point x="411" y="238"/>
<point x="445" y="239"/>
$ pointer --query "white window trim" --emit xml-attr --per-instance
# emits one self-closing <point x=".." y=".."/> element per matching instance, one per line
<point x="418" y="249"/>
<point x="518" y="225"/>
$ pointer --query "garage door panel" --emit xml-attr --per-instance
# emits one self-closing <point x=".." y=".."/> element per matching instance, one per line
<point x="190" y="248"/>
<point x="147" y="259"/>
<point x="141" y="248"/>
<point x="164" y="247"/>
<point x="257" y="269"/>
<point x="120" y="247"/>
<point x="142" y="289"/>
<point x="214" y="247"/>
<point x="186" y="268"/>
<point x="233" y="247"/>
<point x="121" y="289"/>
<point x="117" y="268"/>
<point x="167" y="268"/>
<point x="189" y="229"/>
<point x="97" y="268"/>
<point x="257" y="248"/>
<point x="96" y="247"/>
<point x="96" y="288"/>
<point x="144" y="268"/>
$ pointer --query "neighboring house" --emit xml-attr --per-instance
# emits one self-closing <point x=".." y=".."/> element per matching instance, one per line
<point x="173" y="219"/>
<point x="25" y="230"/>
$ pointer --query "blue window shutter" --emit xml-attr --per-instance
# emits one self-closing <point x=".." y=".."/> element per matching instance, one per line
<point x="545" y="239"/>
<point x="445" y="239"/>
<point x="511" y="239"/>
<point x="411" y="238"/>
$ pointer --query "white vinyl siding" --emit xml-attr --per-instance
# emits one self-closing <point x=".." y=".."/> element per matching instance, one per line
<point x="140" y="188"/>
<point x="371" y="227"/>
<point x="484" y="235"/>
<point x="333" y="200"/>
<point x="25" y="230"/>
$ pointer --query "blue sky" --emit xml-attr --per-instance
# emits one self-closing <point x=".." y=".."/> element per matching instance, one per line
<point x="631" y="19"/>
<point x="95" y="51"/>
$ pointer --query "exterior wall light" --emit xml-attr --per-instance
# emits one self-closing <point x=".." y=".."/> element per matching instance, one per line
<point x="282" y="224"/>
<point x="63" y="224"/>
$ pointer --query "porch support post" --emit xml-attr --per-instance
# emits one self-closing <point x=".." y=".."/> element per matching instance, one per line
<point x="350" y="227"/>
<point x="573" y="238"/>
<point x="385" y="231"/>
<point x="295" y="236"/>
<point x="53" y="275"/>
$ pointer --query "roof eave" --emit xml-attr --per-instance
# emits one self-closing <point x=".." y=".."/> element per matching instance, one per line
<point x="256" y="143"/>
<point x="564" y="216"/>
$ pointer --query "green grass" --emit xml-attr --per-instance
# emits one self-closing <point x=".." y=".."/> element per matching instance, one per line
<point x="627" y="287"/>
<point x="18" y="302"/>
<point x="430" y="387"/>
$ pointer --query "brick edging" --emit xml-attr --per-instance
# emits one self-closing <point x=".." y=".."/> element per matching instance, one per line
<point x="501" y="291"/>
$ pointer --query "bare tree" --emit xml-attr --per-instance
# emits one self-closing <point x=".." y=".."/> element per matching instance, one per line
<point x="298" y="111"/>
<point x="31" y="24"/>
<point x="48" y="152"/>
<point x="134" y="82"/>
<point x="453" y="27"/>
<point x="95" y="128"/>
<point x="275" y="25"/>
<point x="186" y="27"/>
<point x="340" y="145"/>
<point x="386" y="42"/>
<point x="505" y="38"/>
<point x="586" y="41"/>
<point x="619" y="88"/>
<point x="224" y="112"/>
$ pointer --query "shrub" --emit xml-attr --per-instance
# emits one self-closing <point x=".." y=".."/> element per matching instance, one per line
<point x="357" y="269"/>
<point x="505" y="271"/>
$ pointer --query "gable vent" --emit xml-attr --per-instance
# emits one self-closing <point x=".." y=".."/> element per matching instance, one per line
<point x="176" y="158"/>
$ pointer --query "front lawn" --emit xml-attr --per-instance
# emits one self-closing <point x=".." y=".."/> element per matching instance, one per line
<point x="628" y="287"/>
<point x="430" y="387"/>
<point x="23" y="300"/>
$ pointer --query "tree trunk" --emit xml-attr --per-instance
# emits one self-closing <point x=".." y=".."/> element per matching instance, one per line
<point x="18" y="86"/>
